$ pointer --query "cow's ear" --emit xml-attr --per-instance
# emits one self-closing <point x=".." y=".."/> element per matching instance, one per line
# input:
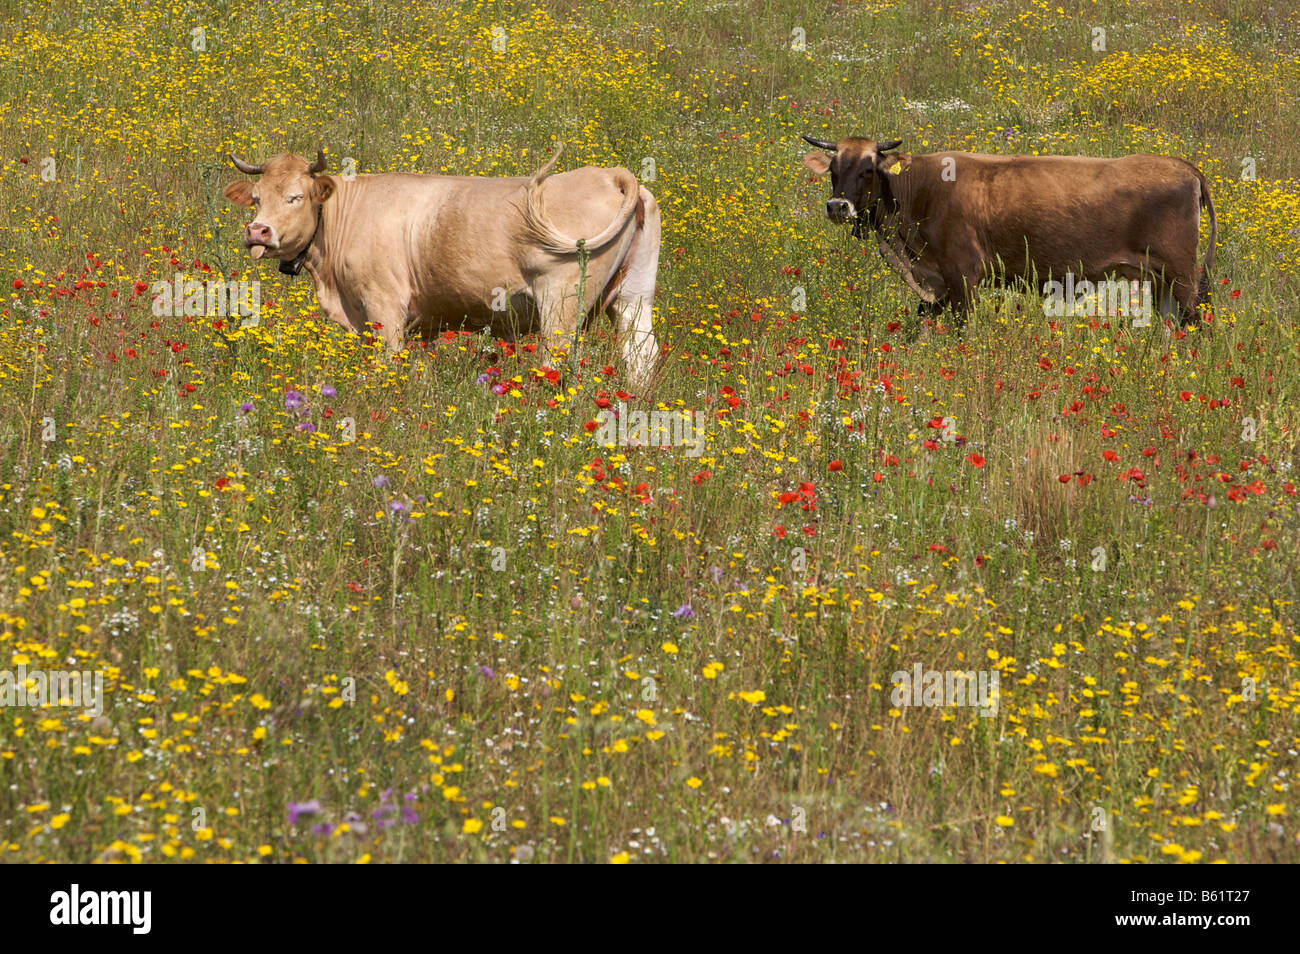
<point x="240" y="192"/>
<point x="322" y="187"/>
<point x="894" y="164"/>
<point x="818" y="162"/>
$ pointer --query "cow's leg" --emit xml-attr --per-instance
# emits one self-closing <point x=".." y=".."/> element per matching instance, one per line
<point x="960" y="274"/>
<point x="383" y="301"/>
<point x="1185" y="293"/>
<point x="1127" y="269"/>
<point x="335" y="308"/>
<point x="389" y="320"/>
<point x="960" y="292"/>
<point x="635" y="298"/>
<point x="1174" y="259"/>
<point x="557" y="306"/>
<point x="1176" y="294"/>
<point x="1168" y="304"/>
<point x="389" y="313"/>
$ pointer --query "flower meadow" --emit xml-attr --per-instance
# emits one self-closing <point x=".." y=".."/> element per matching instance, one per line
<point x="354" y="607"/>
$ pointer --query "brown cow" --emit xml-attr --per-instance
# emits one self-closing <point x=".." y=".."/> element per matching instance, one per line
<point x="418" y="254"/>
<point x="948" y="220"/>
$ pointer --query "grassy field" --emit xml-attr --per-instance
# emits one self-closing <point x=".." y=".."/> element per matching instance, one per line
<point x="474" y="633"/>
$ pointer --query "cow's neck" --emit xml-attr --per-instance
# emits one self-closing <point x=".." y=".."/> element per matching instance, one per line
<point x="323" y="259"/>
<point x="321" y="265"/>
<point x="888" y="221"/>
<point x="886" y="211"/>
<point x="294" y="266"/>
<point x="319" y="260"/>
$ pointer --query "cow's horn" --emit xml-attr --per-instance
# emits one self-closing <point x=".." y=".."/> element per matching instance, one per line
<point x="821" y="143"/>
<point x="319" y="164"/>
<point x="886" y="146"/>
<point x="247" y="168"/>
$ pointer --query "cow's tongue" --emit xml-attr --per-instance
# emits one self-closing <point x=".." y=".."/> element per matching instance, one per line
<point x="257" y="251"/>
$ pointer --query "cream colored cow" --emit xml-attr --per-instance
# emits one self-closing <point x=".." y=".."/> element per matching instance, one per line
<point x="420" y="254"/>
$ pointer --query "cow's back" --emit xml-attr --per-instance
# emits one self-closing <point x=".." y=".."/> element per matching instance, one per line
<point x="1056" y="213"/>
<point x="455" y="246"/>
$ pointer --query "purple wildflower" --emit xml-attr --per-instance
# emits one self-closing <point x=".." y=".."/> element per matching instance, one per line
<point x="298" y="809"/>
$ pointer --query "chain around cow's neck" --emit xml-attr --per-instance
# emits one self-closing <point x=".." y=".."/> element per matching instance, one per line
<point x="294" y="267"/>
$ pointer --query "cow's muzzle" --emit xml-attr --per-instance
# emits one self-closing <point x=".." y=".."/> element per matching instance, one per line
<point x="258" y="238"/>
<point x="840" y="210"/>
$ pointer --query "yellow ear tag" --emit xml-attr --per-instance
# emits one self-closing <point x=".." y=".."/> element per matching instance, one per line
<point x="895" y="169"/>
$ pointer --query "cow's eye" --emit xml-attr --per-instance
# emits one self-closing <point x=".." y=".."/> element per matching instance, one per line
<point x="295" y="199"/>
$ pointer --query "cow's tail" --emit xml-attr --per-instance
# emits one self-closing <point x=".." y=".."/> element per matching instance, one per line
<point x="1207" y="203"/>
<point x="544" y="232"/>
<point x="545" y="170"/>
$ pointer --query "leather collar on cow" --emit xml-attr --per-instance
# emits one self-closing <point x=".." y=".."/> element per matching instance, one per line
<point x="295" y="266"/>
